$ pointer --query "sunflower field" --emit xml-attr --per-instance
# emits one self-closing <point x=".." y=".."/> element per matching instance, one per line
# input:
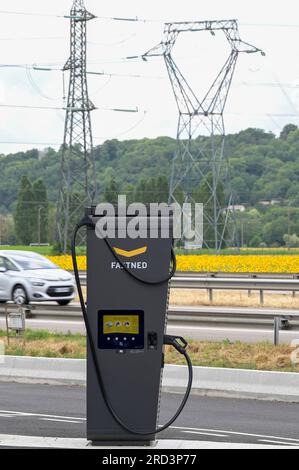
<point x="214" y="263"/>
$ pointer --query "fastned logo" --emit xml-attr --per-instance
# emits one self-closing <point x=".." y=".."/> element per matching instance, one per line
<point x="130" y="254"/>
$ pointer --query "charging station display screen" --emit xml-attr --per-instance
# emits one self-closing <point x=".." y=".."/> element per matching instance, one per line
<point x="121" y="324"/>
<point x="121" y="329"/>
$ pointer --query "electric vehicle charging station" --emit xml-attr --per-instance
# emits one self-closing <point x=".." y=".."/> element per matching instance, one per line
<point x="126" y="318"/>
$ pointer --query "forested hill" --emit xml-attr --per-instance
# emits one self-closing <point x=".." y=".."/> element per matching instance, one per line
<point x="263" y="167"/>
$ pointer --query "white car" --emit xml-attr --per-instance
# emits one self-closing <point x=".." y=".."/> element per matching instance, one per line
<point x="29" y="277"/>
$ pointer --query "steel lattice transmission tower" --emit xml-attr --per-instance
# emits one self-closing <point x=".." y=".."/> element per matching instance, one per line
<point x="78" y="178"/>
<point x="200" y="160"/>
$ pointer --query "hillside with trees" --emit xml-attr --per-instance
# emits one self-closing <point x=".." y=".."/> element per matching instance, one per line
<point x="264" y="173"/>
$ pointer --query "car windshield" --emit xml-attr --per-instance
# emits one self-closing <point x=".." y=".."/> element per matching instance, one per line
<point x="34" y="263"/>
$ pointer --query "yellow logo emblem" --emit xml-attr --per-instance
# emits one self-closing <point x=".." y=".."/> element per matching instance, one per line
<point x="132" y="253"/>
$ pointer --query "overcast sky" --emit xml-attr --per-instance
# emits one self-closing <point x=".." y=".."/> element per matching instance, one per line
<point x="264" y="92"/>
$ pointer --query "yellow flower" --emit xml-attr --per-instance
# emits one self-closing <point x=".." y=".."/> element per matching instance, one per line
<point x="213" y="263"/>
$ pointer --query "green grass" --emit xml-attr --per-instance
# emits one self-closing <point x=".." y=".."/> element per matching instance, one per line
<point x="42" y="250"/>
<point x="50" y="250"/>
<point x="225" y="354"/>
<point x="242" y="252"/>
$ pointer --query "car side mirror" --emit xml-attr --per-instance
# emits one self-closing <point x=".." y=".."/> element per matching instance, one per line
<point x="2" y="270"/>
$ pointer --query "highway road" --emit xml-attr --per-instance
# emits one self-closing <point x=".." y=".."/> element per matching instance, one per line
<point x="194" y="330"/>
<point x="59" y="411"/>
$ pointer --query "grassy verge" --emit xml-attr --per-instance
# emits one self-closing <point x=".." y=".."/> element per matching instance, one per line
<point x="42" y="250"/>
<point x="233" y="299"/>
<point x="280" y="251"/>
<point x="224" y="298"/>
<point x="260" y="356"/>
<point x="283" y="251"/>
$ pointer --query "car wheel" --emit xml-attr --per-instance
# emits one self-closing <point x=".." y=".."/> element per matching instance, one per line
<point x="19" y="296"/>
<point x="63" y="303"/>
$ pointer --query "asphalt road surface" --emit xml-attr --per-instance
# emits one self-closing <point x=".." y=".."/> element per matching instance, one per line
<point x="200" y="331"/>
<point x="59" y="411"/>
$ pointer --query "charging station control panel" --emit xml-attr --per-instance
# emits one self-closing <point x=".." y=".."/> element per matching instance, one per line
<point x="121" y="330"/>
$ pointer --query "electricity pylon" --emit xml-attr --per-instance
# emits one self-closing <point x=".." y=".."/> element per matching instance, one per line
<point x="77" y="174"/>
<point x="200" y="161"/>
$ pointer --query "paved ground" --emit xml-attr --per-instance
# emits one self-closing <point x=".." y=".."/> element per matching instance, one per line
<point x="59" y="411"/>
<point x="202" y="331"/>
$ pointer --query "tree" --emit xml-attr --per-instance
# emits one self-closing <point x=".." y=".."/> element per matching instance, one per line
<point x="7" y="231"/>
<point x="140" y="191"/>
<point x="41" y="211"/>
<point x="111" y="192"/>
<point x="287" y="130"/>
<point x="24" y="214"/>
<point x="154" y="190"/>
<point x="255" y="242"/>
<point x="273" y="232"/>
<point x="162" y="189"/>
<point x="262" y="168"/>
<point x="128" y="191"/>
<point x="291" y="241"/>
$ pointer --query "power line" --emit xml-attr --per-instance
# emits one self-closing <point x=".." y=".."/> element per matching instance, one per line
<point x="56" y="108"/>
<point x="43" y="68"/>
<point x="36" y="87"/>
<point x="120" y="134"/>
<point x="30" y="107"/>
<point x="122" y="75"/>
<point x="39" y="68"/>
<point x="24" y="13"/>
<point x="116" y="43"/>
<point x="135" y="19"/>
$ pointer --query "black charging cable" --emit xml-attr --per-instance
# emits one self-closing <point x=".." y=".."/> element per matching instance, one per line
<point x="168" y="340"/>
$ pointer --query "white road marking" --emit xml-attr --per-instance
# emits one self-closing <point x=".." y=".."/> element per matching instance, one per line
<point x="22" y="413"/>
<point x="279" y="442"/>
<point x="205" y="433"/>
<point x="60" y="420"/>
<point x="234" y="433"/>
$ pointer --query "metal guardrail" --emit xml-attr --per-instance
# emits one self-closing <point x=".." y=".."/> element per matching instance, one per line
<point x="260" y="285"/>
<point x="248" y="282"/>
<point x="227" y="275"/>
<point x="280" y="318"/>
<point x="237" y="275"/>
